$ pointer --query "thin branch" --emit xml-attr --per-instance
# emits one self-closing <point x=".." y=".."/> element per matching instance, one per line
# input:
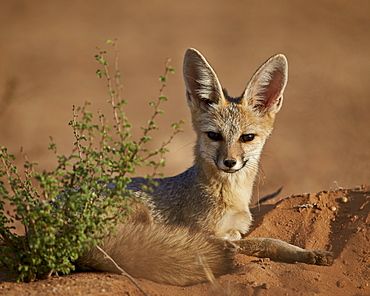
<point x="160" y="96"/>
<point x="114" y="93"/>
<point x="75" y="133"/>
<point x="122" y="272"/>
<point x="156" y="110"/>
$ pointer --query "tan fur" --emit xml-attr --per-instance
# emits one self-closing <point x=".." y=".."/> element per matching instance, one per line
<point x="192" y="223"/>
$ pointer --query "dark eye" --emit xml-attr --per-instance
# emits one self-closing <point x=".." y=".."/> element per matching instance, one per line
<point x="214" y="136"/>
<point x="247" y="138"/>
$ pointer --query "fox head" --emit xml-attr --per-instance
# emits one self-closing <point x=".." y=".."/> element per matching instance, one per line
<point x="230" y="131"/>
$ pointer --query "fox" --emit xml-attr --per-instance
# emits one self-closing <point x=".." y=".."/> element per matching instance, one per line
<point x="188" y="229"/>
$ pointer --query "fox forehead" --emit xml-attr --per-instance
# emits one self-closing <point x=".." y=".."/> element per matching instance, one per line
<point x="234" y="119"/>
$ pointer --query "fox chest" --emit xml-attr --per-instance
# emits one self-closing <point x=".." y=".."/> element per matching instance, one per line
<point x="233" y="224"/>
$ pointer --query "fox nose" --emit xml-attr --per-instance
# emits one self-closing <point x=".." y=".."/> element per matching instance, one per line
<point x="230" y="162"/>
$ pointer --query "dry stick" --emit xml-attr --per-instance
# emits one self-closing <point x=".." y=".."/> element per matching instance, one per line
<point x="210" y="276"/>
<point x="207" y="270"/>
<point x="122" y="271"/>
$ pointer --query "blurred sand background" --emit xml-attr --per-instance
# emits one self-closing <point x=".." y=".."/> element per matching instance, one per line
<point x="321" y="135"/>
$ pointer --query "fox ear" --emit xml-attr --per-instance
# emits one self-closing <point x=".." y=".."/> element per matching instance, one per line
<point x="202" y="85"/>
<point x="265" y="90"/>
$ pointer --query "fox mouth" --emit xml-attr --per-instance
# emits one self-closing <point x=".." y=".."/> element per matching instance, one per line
<point x="231" y="170"/>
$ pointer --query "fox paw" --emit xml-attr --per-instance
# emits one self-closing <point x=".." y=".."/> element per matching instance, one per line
<point x="320" y="257"/>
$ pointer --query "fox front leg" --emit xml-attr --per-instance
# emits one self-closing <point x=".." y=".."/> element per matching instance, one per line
<point x="278" y="250"/>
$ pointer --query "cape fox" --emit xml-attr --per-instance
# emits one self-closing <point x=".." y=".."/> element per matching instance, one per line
<point x="189" y="228"/>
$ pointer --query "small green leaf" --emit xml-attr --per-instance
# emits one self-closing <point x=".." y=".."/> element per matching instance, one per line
<point x="163" y="78"/>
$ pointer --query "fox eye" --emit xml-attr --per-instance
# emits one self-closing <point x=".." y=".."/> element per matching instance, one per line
<point x="247" y="137"/>
<point x="214" y="136"/>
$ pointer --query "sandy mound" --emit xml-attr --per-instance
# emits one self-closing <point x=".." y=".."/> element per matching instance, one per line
<point x="335" y="220"/>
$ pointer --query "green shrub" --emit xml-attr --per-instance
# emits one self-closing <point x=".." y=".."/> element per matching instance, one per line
<point x="65" y="210"/>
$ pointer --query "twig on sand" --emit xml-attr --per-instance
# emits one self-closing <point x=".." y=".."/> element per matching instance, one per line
<point x="122" y="272"/>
